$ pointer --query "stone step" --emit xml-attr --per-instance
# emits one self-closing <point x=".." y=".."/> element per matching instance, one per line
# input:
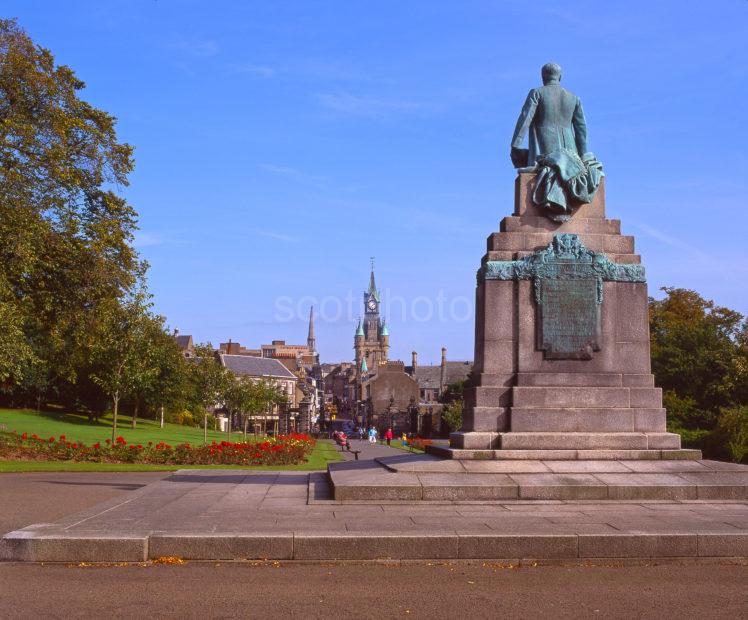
<point x="530" y="223"/>
<point x="598" y="420"/>
<point x="518" y="241"/>
<point x="548" y="480"/>
<point x="589" y="441"/>
<point x="586" y="396"/>
<point x="562" y="455"/>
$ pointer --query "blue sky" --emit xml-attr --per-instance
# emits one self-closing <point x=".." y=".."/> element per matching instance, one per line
<point x="279" y="145"/>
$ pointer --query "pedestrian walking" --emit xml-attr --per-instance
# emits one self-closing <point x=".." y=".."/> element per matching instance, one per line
<point x="372" y="435"/>
<point x="388" y="436"/>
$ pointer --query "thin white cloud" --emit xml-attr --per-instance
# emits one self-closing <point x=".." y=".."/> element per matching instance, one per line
<point x="295" y="174"/>
<point x="672" y="241"/>
<point x="252" y="69"/>
<point x="353" y="105"/>
<point x="145" y="239"/>
<point x="200" y="49"/>
<point x="278" y="236"/>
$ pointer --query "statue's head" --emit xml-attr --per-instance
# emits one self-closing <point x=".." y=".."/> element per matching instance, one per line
<point x="551" y="73"/>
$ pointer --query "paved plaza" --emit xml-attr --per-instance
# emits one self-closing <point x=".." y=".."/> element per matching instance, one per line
<point x="238" y="515"/>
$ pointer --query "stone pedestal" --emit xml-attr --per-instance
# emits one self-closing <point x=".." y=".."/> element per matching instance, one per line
<point x="526" y="397"/>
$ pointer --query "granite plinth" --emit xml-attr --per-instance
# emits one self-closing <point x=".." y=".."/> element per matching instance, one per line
<point x="526" y="403"/>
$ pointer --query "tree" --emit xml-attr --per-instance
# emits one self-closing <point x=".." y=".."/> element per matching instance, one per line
<point x="16" y="356"/>
<point x="209" y="380"/>
<point x="453" y="399"/>
<point x="122" y="352"/>
<point x="243" y="396"/>
<point x="65" y="232"/>
<point x="452" y="414"/>
<point x="170" y="387"/>
<point x="698" y="356"/>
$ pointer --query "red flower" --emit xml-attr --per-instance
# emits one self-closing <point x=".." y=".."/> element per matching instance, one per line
<point x="51" y="440"/>
<point x="24" y="436"/>
<point x="62" y="437"/>
<point x="108" y="441"/>
<point x="97" y="445"/>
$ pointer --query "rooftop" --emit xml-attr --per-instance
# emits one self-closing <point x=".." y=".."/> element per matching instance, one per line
<point x="244" y="365"/>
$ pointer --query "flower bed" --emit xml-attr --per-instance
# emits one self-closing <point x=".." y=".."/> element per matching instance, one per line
<point x="280" y="450"/>
<point x="418" y="443"/>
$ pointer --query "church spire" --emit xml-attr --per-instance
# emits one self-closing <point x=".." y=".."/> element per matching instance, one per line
<point x="372" y="284"/>
<point x="311" y="341"/>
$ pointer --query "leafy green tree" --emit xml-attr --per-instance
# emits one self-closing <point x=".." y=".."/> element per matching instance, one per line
<point x="65" y="231"/>
<point x="452" y="414"/>
<point x="209" y="380"/>
<point x="16" y="356"/>
<point x="169" y="389"/>
<point x="122" y="352"/>
<point x="454" y="405"/>
<point x="698" y="356"/>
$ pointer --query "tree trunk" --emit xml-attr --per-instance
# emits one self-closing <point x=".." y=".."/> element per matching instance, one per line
<point x="205" y="427"/>
<point x="114" y="417"/>
<point x="246" y="417"/>
<point x="162" y="416"/>
<point x="135" y="413"/>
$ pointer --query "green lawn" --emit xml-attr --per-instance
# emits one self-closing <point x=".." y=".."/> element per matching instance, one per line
<point x="77" y="428"/>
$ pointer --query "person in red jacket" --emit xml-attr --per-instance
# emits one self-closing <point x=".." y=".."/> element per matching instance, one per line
<point x="388" y="436"/>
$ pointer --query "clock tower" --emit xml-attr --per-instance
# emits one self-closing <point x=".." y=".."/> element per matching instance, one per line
<point x="372" y="340"/>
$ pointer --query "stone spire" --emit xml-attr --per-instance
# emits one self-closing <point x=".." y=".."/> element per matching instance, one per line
<point x="311" y="341"/>
<point x="372" y="284"/>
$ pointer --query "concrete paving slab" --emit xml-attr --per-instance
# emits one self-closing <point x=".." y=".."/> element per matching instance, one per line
<point x="590" y="467"/>
<point x="420" y="463"/>
<point x="456" y="487"/>
<point x="560" y="486"/>
<point x="505" y="467"/>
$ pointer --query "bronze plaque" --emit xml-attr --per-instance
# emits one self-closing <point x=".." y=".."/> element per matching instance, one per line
<point x="569" y="313"/>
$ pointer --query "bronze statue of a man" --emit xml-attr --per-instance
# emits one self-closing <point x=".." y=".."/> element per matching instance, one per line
<point x="568" y="175"/>
<point x="554" y="117"/>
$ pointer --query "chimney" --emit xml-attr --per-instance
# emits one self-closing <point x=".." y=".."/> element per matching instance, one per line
<point x="414" y="361"/>
<point x="443" y="374"/>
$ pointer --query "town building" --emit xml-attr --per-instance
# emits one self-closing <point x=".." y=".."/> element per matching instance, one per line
<point x="234" y="348"/>
<point x="185" y="344"/>
<point x="433" y="380"/>
<point x="275" y="373"/>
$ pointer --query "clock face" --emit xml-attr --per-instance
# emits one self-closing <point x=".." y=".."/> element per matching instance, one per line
<point x="372" y="304"/>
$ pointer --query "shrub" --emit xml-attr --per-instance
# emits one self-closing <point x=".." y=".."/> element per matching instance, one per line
<point x="732" y="432"/>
